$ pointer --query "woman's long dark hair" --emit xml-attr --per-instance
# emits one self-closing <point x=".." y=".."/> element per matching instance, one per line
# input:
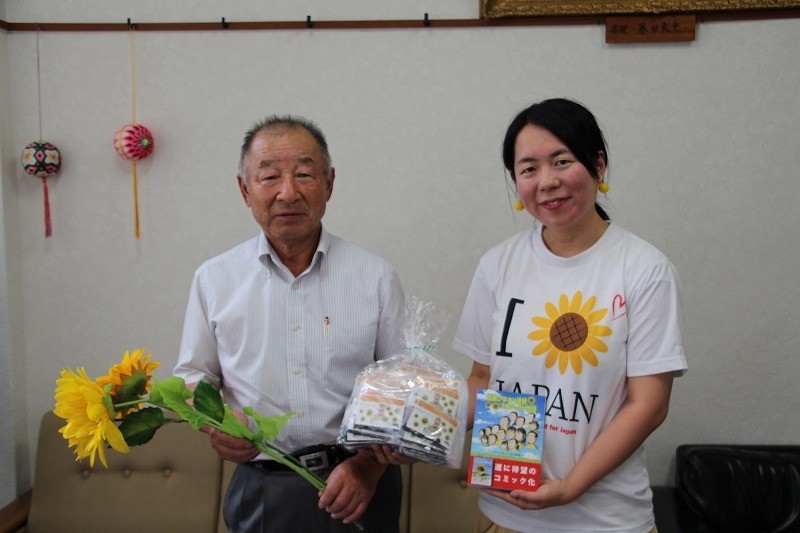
<point x="572" y="123"/>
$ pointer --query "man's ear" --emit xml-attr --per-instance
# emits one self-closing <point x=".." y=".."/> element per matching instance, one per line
<point x="244" y="189"/>
<point x="329" y="183"/>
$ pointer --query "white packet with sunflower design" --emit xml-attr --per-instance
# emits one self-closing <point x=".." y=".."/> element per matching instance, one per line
<point x="412" y="401"/>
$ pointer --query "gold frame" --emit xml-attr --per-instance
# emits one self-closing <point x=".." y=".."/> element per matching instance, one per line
<point x="533" y="8"/>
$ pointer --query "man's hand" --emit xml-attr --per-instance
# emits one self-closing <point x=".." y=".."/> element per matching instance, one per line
<point x="385" y="455"/>
<point x="351" y="486"/>
<point x="229" y="447"/>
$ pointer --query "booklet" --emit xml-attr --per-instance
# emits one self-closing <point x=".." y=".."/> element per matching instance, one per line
<point x="507" y="437"/>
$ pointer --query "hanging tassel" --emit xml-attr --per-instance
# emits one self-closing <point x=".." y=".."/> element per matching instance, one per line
<point x="48" y="228"/>
<point x="135" y="202"/>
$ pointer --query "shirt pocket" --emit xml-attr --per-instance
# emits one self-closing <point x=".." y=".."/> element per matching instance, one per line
<point x="348" y="348"/>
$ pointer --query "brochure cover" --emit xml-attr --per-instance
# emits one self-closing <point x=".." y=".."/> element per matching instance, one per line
<point x="507" y="436"/>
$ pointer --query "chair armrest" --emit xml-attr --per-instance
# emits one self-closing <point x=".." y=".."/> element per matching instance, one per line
<point x="15" y="515"/>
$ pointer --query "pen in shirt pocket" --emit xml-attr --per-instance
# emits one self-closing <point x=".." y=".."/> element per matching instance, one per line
<point x="326" y="322"/>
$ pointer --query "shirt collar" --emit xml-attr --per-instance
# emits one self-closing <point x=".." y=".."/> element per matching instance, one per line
<point x="266" y="251"/>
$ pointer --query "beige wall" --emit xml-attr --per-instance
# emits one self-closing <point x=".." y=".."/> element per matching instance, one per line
<point x="702" y="164"/>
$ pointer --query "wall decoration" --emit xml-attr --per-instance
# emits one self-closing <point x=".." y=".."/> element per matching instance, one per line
<point x="41" y="159"/>
<point x="134" y="141"/>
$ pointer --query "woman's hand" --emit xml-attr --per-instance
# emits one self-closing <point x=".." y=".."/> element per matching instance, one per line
<point x="551" y="493"/>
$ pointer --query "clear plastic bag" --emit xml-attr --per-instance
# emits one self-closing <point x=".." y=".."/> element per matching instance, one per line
<point x="412" y="401"/>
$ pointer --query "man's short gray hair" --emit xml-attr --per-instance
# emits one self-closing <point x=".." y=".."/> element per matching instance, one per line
<point x="277" y="123"/>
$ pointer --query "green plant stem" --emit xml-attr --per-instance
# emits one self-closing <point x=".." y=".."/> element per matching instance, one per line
<point x="271" y="450"/>
<point x="132" y="403"/>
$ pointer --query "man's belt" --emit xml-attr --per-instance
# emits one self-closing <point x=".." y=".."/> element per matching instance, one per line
<point x="314" y="458"/>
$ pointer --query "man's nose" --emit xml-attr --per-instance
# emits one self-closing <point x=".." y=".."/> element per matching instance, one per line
<point x="288" y="188"/>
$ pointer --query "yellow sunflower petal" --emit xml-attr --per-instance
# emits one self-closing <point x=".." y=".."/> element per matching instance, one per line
<point x="576" y="361"/>
<point x="542" y="322"/>
<point x="539" y="334"/>
<point x="596" y="316"/>
<point x="600" y="331"/>
<point x="552" y="357"/>
<point x="563" y="361"/>
<point x="542" y="347"/>
<point x="588" y="306"/>
<point x="589" y="356"/>
<point x="596" y="344"/>
<point x="114" y="437"/>
<point x="552" y="311"/>
<point x="563" y="304"/>
<point x="575" y="306"/>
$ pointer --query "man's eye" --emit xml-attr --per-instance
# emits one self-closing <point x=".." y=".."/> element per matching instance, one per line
<point x="305" y="177"/>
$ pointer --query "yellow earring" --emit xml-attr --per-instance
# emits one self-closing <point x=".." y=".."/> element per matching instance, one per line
<point x="518" y="206"/>
<point x="603" y="187"/>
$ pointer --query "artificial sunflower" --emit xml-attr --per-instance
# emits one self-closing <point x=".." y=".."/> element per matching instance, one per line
<point x="130" y="379"/>
<point x="87" y="408"/>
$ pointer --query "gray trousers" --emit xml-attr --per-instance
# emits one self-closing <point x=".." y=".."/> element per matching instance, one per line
<point x="282" y="502"/>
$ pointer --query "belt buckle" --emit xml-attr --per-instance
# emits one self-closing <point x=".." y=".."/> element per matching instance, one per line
<point x="315" y="461"/>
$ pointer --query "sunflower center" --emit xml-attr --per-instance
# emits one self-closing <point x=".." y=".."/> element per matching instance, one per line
<point x="569" y="332"/>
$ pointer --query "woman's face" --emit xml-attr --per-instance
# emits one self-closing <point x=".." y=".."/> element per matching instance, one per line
<point x="555" y="188"/>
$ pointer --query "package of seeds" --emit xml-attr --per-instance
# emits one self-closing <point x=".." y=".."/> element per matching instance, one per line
<point x="412" y="401"/>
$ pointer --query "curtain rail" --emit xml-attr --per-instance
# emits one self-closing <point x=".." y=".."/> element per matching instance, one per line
<point x="310" y="24"/>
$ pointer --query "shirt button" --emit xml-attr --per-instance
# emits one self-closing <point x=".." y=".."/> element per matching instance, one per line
<point x="295" y="327"/>
<point x="295" y="285"/>
<point x="297" y="370"/>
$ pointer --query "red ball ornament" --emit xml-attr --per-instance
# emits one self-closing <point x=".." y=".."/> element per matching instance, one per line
<point x="41" y="159"/>
<point x="133" y="142"/>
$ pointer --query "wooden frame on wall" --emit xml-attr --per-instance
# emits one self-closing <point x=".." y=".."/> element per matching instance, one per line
<point x="532" y="8"/>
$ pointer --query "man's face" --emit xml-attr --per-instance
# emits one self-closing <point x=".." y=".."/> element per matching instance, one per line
<point x="286" y="186"/>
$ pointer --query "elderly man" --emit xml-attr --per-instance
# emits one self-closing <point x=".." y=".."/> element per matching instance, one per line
<point x="283" y="323"/>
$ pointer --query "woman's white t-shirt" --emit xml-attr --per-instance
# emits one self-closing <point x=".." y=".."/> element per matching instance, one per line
<point x="574" y="329"/>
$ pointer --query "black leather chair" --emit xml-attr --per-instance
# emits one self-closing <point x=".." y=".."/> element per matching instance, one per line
<point x="731" y="488"/>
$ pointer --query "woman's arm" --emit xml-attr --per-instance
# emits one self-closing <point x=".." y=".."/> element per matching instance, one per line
<point x="643" y="411"/>
<point x="478" y="379"/>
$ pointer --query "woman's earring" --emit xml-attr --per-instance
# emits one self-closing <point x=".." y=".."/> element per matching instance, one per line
<point x="518" y="206"/>
<point x="603" y="187"/>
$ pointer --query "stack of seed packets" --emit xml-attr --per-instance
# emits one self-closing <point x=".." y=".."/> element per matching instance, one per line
<point x="412" y="401"/>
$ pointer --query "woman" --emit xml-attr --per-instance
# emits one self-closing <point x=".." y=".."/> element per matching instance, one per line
<point x="582" y="311"/>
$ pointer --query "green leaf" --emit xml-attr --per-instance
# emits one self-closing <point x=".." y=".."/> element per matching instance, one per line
<point x="208" y="401"/>
<point x="269" y="426"/>
<point x="172" y="394"/>
<point x="172" y="385"/>
<point x="139" y="427"/>
<point x="132" y="388"/>
<point x="233" y="426"/>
